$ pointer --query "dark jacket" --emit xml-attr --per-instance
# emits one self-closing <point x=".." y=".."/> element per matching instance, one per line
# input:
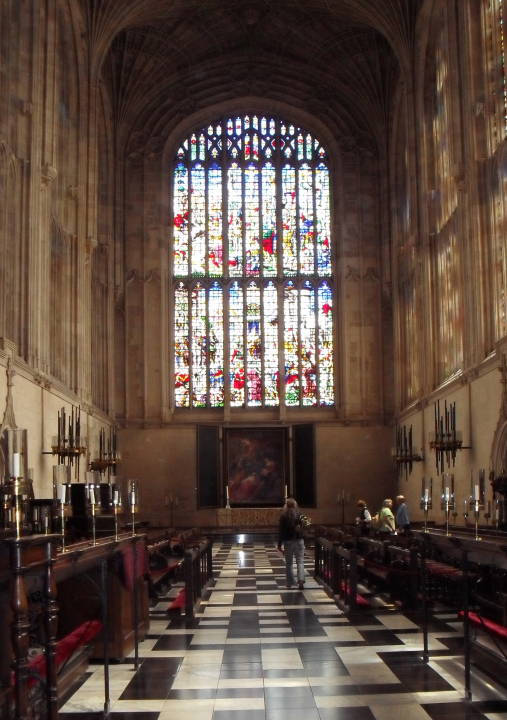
<point x="289" y="527"/>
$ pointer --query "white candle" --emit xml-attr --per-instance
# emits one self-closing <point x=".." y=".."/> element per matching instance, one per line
<point x="16" y="465"/>
<point x="426" y="494"/>
<point x="286" y="492"/>
<point x="227" y="491"/>
<point x="447" y="494"/>
<point x="91" y="494"/>
<point x="477" y="496"/>
<point x="62" y="493"/>
<point x="133" y="496"/>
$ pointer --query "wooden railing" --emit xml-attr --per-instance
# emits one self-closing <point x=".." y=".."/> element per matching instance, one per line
<point x="336" y="568"/>
<point x="197" y="572"/>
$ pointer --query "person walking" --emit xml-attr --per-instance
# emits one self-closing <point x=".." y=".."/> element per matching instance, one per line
<point x="291" y="539"/>
<point x="386" y="518"/>
<point x="363" y="519"/>
<point x="402" y="514"/>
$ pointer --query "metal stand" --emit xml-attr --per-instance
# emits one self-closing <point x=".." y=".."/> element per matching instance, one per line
<point x="424" y="582"/>
<point x="477" y="512"/>
<point x="466" y="628"/>
<point x="62" y="529"/>
<point x="447" y="512"/>
<point x="105" y="634"/>
<point x="135" y="609"/>
<point x="94" y="529"/>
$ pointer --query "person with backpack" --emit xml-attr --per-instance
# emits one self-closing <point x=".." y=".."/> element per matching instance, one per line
<point x="291" y="539"/>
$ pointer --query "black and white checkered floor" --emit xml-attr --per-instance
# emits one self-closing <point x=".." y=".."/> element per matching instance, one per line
<point x="259" y="651"/>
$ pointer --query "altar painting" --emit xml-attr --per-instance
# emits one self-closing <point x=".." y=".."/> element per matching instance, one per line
<point x="256" y="466"/>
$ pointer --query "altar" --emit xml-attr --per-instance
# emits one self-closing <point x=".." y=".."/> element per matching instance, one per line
<point x="241" y="517"/>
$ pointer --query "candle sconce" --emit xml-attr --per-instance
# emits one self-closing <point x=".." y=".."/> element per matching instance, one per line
<point x="426" y="502"/>
<point x="403" y="453"/>
<point x="446" y="440"/>
<point x="68" y="445"/>
<point x="109" y="456"/>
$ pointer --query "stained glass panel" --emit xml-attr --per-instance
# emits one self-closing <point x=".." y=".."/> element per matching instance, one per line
<point x="236" y="344"/>
<point x="269" y="237"/>
<point x="215" y="254"/>
<point x="180" y="220"/>
<point x="325" y="345"/>
<point x="181" y="347"/>
<point x="198" y="345"/>
<point x="216" y="345"/>
<point x="291" y="345"/>
<point x="289" y="205"/>
<point x="270" y="347"/>
<point x="251" y="200"/>
<point x="254" y="345"/>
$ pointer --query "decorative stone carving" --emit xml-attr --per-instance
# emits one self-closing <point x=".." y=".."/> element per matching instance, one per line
<point x="352" y="273"/>
<point x="371" y="275"/>
<point x="152" y="275"/>
<point x="48" y="174"/>
<point x="26" y="107"/>
<point x="9" y="420"/>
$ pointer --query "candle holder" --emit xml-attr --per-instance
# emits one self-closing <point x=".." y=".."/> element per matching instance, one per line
<point x="447" y="503"/>
<point x="426" y="505"/>
<point x="61" y="489"/>
<point x="93" y="497"/>
<point x="426" y="501"/>
<point x="117" y="508"/>
<point x="477" y="512"/>
<point x="133" y="494"/>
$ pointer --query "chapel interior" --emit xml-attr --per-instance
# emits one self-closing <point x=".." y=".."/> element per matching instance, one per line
<point x="241" y="226"/>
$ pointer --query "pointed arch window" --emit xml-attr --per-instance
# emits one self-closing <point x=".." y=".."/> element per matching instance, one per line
<point x="252" y="270"/>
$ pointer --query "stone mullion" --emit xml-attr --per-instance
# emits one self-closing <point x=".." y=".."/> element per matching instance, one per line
<point x="396" y="233"/>
<point x="42" y="160"/>
<point x="151" y="289"/>
<point x="86" y="242"/>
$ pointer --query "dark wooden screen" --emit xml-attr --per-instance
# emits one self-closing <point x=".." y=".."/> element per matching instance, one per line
<point x="303" y="443"/>
<point x="208" y="466"/>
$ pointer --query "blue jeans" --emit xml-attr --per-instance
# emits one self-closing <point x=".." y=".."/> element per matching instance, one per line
<point x="294" y="549"/>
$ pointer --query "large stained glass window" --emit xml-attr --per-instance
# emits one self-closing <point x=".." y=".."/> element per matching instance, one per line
<point x="252" y="270"/>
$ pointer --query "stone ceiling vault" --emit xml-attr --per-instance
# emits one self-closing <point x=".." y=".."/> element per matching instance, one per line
<point x="337" y="59"/>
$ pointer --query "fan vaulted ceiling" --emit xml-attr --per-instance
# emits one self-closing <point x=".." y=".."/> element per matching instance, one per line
<point x="164" y="59"/>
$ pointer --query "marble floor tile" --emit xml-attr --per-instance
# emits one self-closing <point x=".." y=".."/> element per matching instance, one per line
<point x="256" y="650"/>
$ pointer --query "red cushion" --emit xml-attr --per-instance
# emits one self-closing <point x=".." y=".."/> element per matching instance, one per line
<point x="65" y="647"/>
<point x="494" y="627"/>
<point x="179" y="601"/>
